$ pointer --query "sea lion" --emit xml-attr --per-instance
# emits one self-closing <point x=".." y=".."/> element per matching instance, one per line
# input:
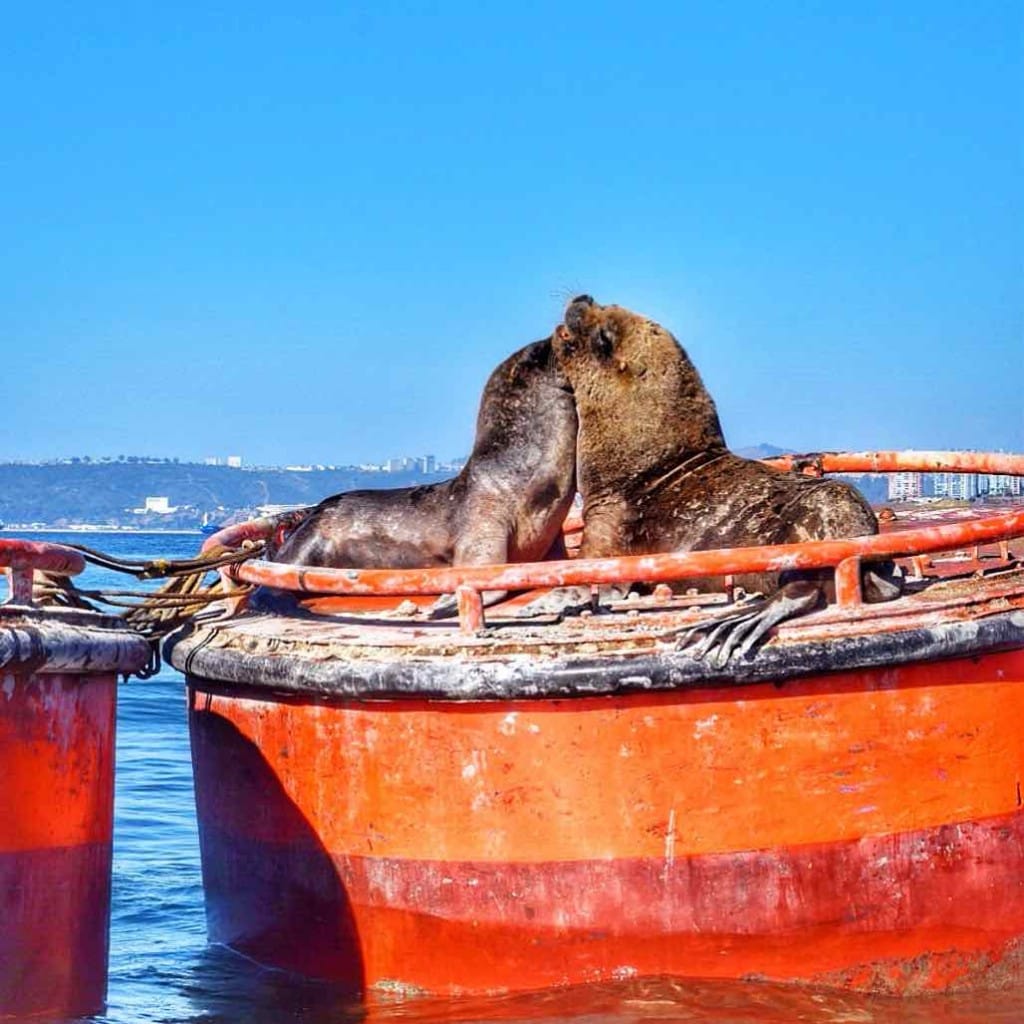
<point x="506" y="505"/>
<point x="656" y="475"/>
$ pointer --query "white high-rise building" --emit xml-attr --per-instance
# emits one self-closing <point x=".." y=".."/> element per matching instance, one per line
<point x="905" y="486"/>
<point x="960" y="486"/>
<point x="999" y="485"/>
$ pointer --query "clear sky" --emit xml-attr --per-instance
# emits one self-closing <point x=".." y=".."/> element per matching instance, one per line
<point x="307" y="233"/>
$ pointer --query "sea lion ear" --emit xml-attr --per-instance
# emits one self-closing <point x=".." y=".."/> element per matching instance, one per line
<point x="602" y="342"/>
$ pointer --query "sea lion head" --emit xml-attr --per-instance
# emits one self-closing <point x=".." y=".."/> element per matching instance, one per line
<point x="634" y="384"/>
<point x="590" y="332"/>
<point x="595" y="339"/>
<point x="527" y="403"/>
<point x="535" y="365"/>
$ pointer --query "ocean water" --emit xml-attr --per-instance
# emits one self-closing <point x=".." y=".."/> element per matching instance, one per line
<point x="163" y="970"/>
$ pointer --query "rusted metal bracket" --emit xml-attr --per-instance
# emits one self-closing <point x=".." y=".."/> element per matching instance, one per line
<point x="471" y="609"/>
<point x="849" y="593"/>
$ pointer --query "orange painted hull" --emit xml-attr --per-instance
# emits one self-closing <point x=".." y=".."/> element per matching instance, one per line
<point x="56" y="822"/>
<point x="861" y="828"/>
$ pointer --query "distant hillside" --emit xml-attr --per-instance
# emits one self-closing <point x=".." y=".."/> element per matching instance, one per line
<point x="105" y="493"/>
<point x="761" y="451"/>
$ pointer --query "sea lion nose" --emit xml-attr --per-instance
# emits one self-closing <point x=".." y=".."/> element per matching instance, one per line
<point x="576" y="309"/>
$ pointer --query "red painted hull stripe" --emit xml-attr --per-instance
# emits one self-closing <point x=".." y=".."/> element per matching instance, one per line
<point x="956" y="890"/>
<point x="54" y="922"/>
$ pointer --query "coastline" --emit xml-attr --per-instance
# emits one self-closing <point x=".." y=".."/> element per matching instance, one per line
<point x="97" y="529"/>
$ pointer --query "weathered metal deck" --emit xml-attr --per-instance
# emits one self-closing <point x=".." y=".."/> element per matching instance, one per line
<point x="634" y="646"/>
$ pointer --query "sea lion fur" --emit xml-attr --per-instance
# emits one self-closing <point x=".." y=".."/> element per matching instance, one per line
<point x="656" y="474"/>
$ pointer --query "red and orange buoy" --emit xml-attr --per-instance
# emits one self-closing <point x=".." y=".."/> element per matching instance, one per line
<point x="58" y="686"/>
<point x="398" y="803"/>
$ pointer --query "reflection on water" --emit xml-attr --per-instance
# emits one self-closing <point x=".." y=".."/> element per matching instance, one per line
<point x="230" y="990"/>
<point x="162" y="970"/>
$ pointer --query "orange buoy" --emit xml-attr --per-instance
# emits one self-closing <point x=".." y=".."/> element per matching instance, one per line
<point x="58" y="687"/>
<point x="398" y="803"/>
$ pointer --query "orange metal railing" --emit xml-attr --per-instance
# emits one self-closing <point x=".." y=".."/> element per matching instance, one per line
<point x="844" y="556"/>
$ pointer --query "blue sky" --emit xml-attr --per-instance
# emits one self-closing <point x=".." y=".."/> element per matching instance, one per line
<point x="308" y="235"/>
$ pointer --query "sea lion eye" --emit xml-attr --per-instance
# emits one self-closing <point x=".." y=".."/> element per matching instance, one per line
<point x="602" y="341"/>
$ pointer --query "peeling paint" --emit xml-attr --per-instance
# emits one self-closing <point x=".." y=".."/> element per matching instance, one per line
<point x="703" y="725"/>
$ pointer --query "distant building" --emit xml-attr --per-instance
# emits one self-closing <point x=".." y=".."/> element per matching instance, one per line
<point x="1000" y="486"/>
<point x="235" y="461"/>
<point x="211" y="460"/>
<point x="906" y="486"/>
<point x="159" y="505"/>
<point x="427" y="463"/>
<point x="959" y="486"/>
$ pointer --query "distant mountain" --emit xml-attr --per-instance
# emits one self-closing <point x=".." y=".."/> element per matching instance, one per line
<point x="762" y="451"/>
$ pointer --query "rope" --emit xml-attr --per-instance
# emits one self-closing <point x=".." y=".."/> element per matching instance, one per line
<point x="154" y="614"/>
<point x="161" y="568"/>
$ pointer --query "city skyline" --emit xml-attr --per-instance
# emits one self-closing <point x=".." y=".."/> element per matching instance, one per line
<point x="426" y="462"/>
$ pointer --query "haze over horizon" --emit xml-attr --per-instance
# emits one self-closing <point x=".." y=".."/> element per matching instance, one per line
<point x="308" y="236"/>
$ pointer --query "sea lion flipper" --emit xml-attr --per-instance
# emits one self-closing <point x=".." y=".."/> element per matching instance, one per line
<point x="736" y="633"/>
<point x="559" y="601"/>
<point x="713" y="628"/>
<point x="796" y="598"/>
<point x="883" y="582"/>
<point x="446" y="605"/>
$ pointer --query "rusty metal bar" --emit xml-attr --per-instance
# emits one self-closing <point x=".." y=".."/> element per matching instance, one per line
<point x="848" y="585"/>
<point x="21" y="558"/>
<point x="628" y="568"/>
<point x="31" y="554"/>
<point x="471" y="609"/>
<point x="237" y="534"/>
<point x="905" y="462"/>
<point x="22" y="581"/>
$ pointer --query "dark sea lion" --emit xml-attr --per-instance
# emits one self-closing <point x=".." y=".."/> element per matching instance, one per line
<point x="656" y="475"/>
<point x="506" y="505"/>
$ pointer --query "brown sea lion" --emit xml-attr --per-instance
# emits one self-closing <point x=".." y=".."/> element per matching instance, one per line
<point x="656" y="475"/>
<point x="506" y="505"/>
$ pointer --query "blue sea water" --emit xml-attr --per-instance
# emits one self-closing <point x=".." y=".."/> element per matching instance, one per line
<point x="163" y="970"/>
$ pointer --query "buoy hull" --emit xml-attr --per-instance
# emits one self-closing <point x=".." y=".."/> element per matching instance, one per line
<point x="56" y="824"/>
<point x="861" y="829"/>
